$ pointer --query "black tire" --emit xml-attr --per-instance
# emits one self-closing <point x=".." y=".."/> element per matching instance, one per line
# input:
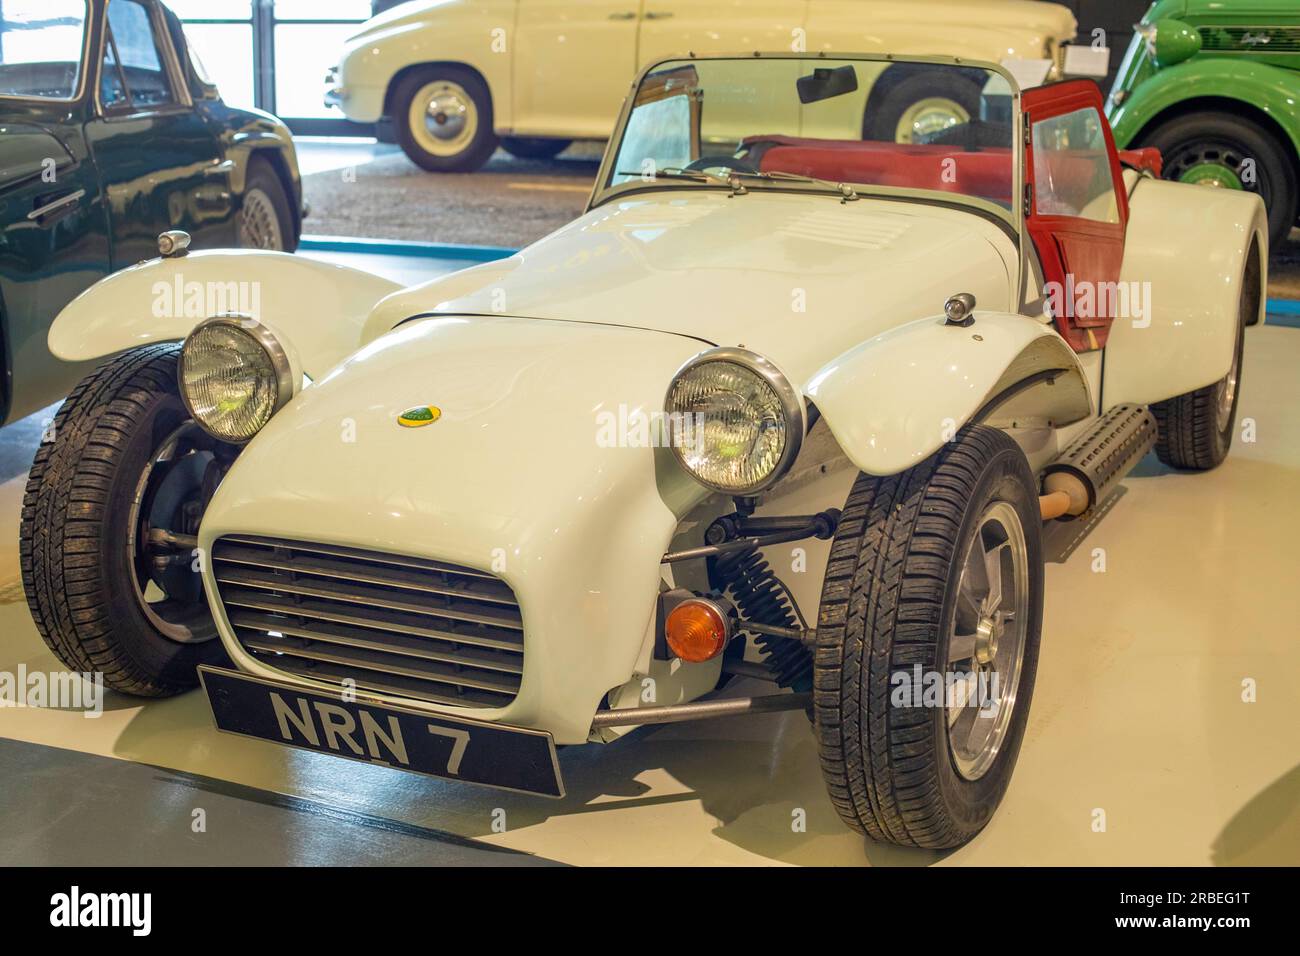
<point x="1183" y="139"/>
<point x="76" y="569"/>
<point x="262" y="181"/>
<point x="534" y="147"/>
<point x="477" y="151"/>
<point x="888" y="603"/>
<point x="885" y="110"/>
<point x="1192" y="434"/>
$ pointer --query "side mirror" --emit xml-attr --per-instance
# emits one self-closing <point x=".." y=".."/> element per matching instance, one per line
<point x="827" y="82"/>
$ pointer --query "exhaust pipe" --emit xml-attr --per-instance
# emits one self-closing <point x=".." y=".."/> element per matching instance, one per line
<point x="1091" y="468"/>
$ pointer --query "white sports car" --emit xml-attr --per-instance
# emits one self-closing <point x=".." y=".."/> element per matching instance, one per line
<point x="784" y="403"/>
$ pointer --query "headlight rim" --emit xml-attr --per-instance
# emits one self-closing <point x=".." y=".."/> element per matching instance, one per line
<point x="791" y="400"/>
<point x="267" y="341"/>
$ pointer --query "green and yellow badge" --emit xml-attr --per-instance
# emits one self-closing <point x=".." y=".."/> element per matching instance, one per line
<point x="419" y="416"/>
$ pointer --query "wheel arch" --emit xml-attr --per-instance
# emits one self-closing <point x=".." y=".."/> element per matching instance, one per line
<point x="965" y="371"/>
<point x="1250" y="89"/>
<point x="396" y="79"/>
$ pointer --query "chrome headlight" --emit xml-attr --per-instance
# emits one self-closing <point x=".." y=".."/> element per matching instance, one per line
<point x="234" y="375"/>
<point x="735" y="421"/>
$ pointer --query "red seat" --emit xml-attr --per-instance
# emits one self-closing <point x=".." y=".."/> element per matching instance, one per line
<point x="983" y="172"/>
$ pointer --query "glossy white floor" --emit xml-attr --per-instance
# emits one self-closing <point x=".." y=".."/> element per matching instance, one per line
<point x="1139" y="712"/>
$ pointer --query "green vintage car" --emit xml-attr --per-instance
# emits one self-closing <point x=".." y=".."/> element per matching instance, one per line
<point x="110" y="134"/>
<point x="1215" y="86"/>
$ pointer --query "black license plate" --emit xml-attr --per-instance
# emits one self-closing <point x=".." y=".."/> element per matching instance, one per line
<point x="490" y="754"/>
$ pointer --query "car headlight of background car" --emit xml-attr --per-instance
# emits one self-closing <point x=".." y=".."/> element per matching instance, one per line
<point x="234" y="375"/>
<point x="1170" y="41"/>
<point x="735" y="421"/>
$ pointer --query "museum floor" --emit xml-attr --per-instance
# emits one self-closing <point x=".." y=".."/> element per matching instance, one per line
<point x="1138" y="719"/>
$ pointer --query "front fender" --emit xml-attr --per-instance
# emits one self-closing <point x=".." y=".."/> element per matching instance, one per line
<point x="1257" y="85"/>
<point x="894" y="400"/>
<point x="452" y="31"/>
<point x="320" y="307"/>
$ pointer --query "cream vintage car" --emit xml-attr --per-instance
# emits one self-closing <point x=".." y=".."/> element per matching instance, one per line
<point x="448" y="79"/>
<point x="783" y="403"/>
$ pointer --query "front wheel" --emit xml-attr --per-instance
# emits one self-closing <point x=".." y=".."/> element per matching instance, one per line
<point x="110" y="511"/>
<point x="927" y="642"/>
<point x="443" y="117"/>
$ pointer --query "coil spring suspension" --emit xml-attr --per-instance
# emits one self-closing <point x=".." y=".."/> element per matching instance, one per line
<point x="759" y="595"/>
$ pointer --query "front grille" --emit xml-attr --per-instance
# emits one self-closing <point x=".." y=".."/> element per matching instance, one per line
<point x="392" y="624"/>
<point x="1261" y="40"/>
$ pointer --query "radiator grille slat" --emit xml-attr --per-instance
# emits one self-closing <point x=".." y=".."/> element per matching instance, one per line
<point x="368" y="596"/>
<point x="445" y="583"/>
<point x="367" y="557"/>
<point x="397" y="625"/>
<point x="393" y="643"/>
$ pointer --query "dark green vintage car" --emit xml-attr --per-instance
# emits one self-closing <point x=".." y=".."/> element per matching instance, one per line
<point x="110" y="134"/>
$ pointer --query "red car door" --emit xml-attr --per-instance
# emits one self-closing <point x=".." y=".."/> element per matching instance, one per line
<point x="1076" y="208"/>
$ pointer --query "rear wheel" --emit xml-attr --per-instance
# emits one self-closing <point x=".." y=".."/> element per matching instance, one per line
<point x="443" y="117"/>
<point x="530" y="147"/>
<point x="927" y="642"/>
<point x="1196" y="427"/>
<point x="112" y="504"/>
<point x="1223" y="151"/>
<point x="920" y="106"/>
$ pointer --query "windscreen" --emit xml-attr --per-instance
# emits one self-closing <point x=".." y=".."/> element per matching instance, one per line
<point x="916" y="126"/>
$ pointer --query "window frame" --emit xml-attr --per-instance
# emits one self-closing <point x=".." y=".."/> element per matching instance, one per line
<point x="181" y="100"/>
<point x="83" y="71"/>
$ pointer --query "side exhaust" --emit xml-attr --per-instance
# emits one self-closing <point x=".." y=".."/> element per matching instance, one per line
<point x="1090" y="469"/>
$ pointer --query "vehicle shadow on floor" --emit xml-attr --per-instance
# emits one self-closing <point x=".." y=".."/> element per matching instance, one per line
<point x="753" y="782"/>
<point x="1266" y="831"/>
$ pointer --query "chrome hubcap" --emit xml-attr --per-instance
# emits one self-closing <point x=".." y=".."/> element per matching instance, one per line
<point x="1227" y="394"/>
<point x="259" y="226"/>
<point x="926" y="117"/>
<point x="443" y="118"/>
<point x="986" y="645"/>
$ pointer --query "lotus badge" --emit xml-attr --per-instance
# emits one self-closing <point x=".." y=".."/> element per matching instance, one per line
<point x="419" y="416"/>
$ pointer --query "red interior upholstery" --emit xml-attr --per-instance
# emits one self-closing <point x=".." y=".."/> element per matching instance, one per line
<point x="984" y="172"/>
